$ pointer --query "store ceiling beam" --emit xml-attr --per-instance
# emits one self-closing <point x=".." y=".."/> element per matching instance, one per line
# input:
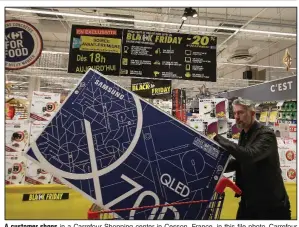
<point x="243" y="26"/>
<point x="261" y="55"/>
<point x="151" y="22"/>
<point x="165" y="16"/>
<point x="74" y="20"/>
<point x="234" y="19"/>
<point x="48" y="28"/>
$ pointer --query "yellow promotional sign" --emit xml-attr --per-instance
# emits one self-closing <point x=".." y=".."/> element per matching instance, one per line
<point x="101" y="44"/>
<point x="263" y="116"/>
<point x="161" y="90"/>
<point x="273" y="116"/>
<point x="44" y="202"/>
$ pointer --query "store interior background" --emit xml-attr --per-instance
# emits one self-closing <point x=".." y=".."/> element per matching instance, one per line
<point x="262" y="53"/>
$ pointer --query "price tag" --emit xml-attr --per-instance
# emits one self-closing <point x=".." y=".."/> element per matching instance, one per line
<point x="288" y="141"/>
<point x="293" y="128"/>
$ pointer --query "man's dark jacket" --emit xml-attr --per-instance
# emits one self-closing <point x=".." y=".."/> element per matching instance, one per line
<point x="257" y="167"/>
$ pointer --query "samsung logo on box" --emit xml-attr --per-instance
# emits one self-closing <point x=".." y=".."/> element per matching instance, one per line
<point x="109" y="89"/>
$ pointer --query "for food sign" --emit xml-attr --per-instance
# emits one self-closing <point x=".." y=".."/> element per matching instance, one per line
<point x="23" y="44"/>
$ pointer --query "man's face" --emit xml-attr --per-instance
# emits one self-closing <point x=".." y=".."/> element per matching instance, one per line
<point x="243" y="116"/>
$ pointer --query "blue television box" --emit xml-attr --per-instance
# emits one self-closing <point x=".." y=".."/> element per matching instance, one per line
<point x="119" y="151"/>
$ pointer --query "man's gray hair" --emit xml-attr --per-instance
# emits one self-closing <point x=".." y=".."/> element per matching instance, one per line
<point x="244" y="102"/>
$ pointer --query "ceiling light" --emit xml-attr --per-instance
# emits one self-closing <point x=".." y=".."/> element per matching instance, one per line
<point x="261" y="66"/>
<point x="53" y="52"/>
<point x="149" y="22"/>
<point x="189" y="12"/>
<point x="194" y="13"/>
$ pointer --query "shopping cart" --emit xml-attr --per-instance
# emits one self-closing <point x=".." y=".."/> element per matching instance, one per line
<point x="212" y="212"/>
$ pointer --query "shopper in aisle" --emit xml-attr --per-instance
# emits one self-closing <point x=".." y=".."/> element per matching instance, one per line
<point x="256" y="162"/>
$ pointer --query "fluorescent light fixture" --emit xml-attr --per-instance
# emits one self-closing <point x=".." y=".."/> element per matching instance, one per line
<point x="147" y="21"/>
<point x="184" y="17"/>
<point x="37" y="67"/>
<point x="56" y="88"/>
<point x="44" y="76"/>
<point x="54" y="52"/>
<point x="269" y="32"/>
<point x="262" y="66"/>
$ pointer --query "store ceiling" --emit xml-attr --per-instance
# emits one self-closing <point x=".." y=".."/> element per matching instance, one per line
<point x="264" y="35"/>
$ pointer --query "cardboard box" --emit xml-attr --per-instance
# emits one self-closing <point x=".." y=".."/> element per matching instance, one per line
<point x="280" y="143"/>
<point x="36" y="128"/>
<point x="289" y="173"/>
<point x="186" y="157"/>
<point x="16" y="108"/>
<point x="214" y="108"/>
<point x="293" y="131"/>
<point x="233" y="131"/>
<point x="163" y="105"/>
<point x="44" y="105"/>
<point x="206" y="108"/>
<point x="36" y="175"/>
<point x="290" y="153"/>
<point x="55" y="180"/>
<point x="221" y="108"/>
<point x="281" y="130"/>
<point x="282" y="156"/>
<point x="15" y="166"/>
<point x="16" y="136"/>
<point x="290" y="156"/>
<point x="287" y="152"/>
<point x="222" y="126"/>
<point x="210" y="127"/>
<point x="196" y="123"/>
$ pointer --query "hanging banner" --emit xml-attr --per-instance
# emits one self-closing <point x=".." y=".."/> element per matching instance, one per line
<point x="152" y="89"/>
<point x="17" y="136"/>
<point x="23" y="44"/>
<point x="122" y="152"/>
<point x="95" y="47"/>
<point x="145" y="54"/>
<point x="282" y="89"/>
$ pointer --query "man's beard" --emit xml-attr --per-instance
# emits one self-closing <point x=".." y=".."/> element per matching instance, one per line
<point x="241" y="125"/>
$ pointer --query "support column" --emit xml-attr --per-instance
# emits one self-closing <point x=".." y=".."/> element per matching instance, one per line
<point x="34" y="85"/>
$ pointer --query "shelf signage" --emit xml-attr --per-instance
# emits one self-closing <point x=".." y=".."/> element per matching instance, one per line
<point x="148" y="88"/>
<point x="281" y="89"/>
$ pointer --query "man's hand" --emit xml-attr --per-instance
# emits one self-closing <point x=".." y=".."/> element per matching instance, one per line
<point x="213" y="136"/>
